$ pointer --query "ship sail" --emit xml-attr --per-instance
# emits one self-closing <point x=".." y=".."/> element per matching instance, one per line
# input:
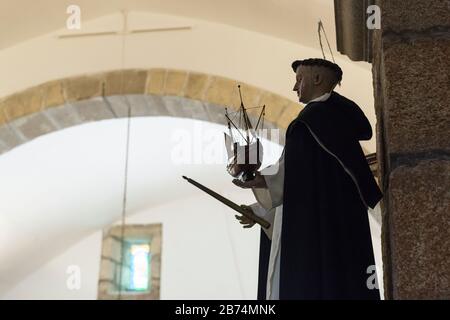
<point x="243" y="145"/>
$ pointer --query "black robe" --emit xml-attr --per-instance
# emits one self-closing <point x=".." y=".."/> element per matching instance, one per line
<point x="326" y="247"/>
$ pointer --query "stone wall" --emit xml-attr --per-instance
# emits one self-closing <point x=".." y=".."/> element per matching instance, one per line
<point x="155" y="92"/>
<point x="113" y="262"/>
<point x="412" y="85"/>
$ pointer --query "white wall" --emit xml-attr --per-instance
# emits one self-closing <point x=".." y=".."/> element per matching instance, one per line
<point x="50" y="280"/>
<point x="205" y="255"/>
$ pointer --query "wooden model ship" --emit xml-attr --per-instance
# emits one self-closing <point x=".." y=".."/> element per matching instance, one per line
<point x="244" y="148"/>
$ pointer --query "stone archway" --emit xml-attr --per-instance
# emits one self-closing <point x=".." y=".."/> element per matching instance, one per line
<point x="67" y="102"/>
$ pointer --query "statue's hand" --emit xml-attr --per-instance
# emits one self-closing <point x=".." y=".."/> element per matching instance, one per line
<point x="257" y="182"/>
<point x="246" y="221"/>
<point x="234" y="169"/>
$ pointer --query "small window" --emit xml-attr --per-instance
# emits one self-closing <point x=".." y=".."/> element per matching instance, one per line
<point x="140" y="257"/>
<point x="135" y="274"/>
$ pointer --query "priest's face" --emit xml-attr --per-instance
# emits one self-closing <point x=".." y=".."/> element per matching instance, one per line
<point x="303" y="85"/>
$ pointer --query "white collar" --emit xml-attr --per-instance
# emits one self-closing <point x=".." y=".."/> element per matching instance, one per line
<point x="323" y="97"/>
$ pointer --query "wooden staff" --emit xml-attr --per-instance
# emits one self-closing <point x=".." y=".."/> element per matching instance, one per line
<point x="230" y="204"/>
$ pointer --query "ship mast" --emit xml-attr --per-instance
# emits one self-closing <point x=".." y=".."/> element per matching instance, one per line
<point x="229" y="124"/>
<point x="245" y="117"/>
<point x="247" y="125"/>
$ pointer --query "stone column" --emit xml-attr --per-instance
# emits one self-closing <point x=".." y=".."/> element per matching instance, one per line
<point x="411" y="82"/>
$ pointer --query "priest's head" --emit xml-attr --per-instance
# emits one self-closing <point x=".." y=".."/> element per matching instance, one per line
<point x="315" y="77"/>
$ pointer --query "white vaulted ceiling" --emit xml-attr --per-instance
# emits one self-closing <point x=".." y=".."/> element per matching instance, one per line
<point x="292" y="20"/>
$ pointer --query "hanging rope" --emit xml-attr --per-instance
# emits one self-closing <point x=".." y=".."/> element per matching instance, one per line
<point x="127" y="150"/>
<point x="319" y="28"/>
<point x="124" y="203"/>
<point x="235" y="257"/>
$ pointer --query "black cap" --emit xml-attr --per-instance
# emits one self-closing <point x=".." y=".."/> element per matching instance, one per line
<point x="320" y="63"/>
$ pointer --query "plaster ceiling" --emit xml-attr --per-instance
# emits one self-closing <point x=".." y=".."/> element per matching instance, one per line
<point x="292" y="20"/>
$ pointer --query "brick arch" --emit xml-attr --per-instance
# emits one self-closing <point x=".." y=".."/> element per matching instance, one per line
<point x="71" y="101"/>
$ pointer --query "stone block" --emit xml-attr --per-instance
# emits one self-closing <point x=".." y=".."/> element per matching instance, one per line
<point x="174" y="106"/>
<point x="139" y="105"/>
<point x="216" y="113"/>
<point x="63" y="116"/>
<point x="83" y="87"/>
<point x="413" y="15"/>
<point x="185" y="108"/>
<point x="110" y="248"/>
<point x="53" y="94"/>
<point x="196" y="85"/>
<point x="175" y="82"/>
<point x="124" y="82"/>
<point x="417" y="115"/>
<point x="275" y="105"/>
<point x="113" y="83"/>
<point x="9" y="138"/>
<point x="252" y="98"/>
<point x="289" y="113"/>
<point x="195" y="109"/>
<point x="33" y="125"/>
<point x="156" y="268"/>
<point x="223" y="92"/>
<point x="92" y="110"/>
<point x="118" y="104"/>
<point x="420" y="230"/>
<point x="135" y="81"/>
<point x="107" y="269"/>
<point x="3" y="118"/>
<point x="156" y="81"/>
<point x="157" y="105"/>
<point x="22" y="104"/>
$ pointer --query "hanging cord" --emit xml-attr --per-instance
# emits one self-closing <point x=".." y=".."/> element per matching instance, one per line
<point x="127" y="150"/>
<point x="235" y="257"/>
<point x="320" y="27"/>
<point x="124" y="204"/>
